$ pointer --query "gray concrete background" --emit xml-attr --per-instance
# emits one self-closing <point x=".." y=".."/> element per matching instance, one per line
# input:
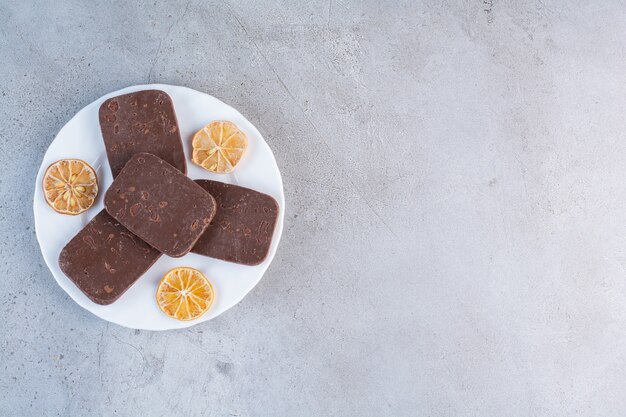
<point x="455" y="236"/>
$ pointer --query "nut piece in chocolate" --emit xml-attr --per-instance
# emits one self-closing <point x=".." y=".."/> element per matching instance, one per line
<point x="159" y="204"/>
<point x="104" y="259"/>
<point x="143" y="121"/>
<point x="243" y="227"/>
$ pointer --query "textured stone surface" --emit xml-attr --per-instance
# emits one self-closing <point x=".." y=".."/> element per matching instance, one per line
<point x="455" y="234"/>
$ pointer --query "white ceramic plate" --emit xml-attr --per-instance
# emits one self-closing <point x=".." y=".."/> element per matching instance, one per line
<point x="81" y="138"/>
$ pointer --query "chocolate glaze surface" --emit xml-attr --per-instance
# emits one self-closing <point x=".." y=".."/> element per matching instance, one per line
<point x="143" y="121"/>
<point x="243" y="226"/>
<point x="104" y="259"/>
<point x="159" y="204"/>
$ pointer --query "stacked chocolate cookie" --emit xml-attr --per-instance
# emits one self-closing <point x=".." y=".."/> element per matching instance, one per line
<point x="152" y="208"/>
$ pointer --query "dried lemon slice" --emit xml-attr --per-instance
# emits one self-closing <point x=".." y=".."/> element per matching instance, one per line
<point x="219" y="146"/>
<point x="184" y="293"/>
<point x="70" y="186"/>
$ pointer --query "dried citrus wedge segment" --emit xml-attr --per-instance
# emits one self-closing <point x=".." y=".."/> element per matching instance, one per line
<point x="219" y="146"/>
<point x="184" y="293"/>
<point x="70" y="186"/>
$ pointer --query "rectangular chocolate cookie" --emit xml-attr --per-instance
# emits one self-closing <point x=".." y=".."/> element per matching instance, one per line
<point x="104" y="259"/>
<point x="143" y="121"/>
<point x="159" y="204"/>
<point x="243" y="226"/>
